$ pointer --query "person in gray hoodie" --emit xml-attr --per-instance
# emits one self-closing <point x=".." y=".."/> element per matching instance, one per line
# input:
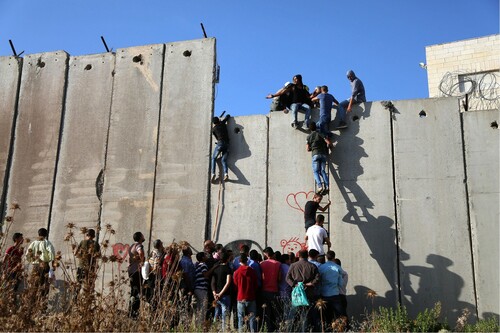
<point x="357" y="96"/>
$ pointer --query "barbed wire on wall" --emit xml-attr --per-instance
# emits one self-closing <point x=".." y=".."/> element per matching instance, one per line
<point x="483" y="89"/>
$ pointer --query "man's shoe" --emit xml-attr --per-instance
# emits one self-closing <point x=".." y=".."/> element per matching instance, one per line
<point x="325" y="191"/>
<point x="342" y="125"/>
<point x="226" y="176"/>
<point x="319" y="190"/>
<point x="213" y="177"/>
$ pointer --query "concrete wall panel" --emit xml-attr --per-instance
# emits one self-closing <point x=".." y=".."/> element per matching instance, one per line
<point x="238" y="206"/>
<point x="36" y="139"/>
<point x="181" y="189"/>
<point x="291" y="183"/>
<point x="130" y="161"/>
<point x="363" y="223"/>
<point x="435" y="257"/>
<point x="10" y="72"/>
<point x="83" y="144"/>
<point x="482" y="156"/>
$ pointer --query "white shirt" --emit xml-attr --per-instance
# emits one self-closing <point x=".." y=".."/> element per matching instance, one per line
<point x="316" y="235"/>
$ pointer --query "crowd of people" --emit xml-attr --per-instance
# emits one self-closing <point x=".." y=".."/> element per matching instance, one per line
<point x="256" y="287"/>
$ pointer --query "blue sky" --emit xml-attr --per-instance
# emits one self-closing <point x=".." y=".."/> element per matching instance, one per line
<point x="262" y="44"/>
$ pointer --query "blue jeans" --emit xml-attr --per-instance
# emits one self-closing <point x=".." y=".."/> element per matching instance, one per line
<point x="222" y="310"/>
<point x="295" y="107"/>
<point x="270" y="312"/>
<point x="323" y="123"/>
<point x="341" y="109"/>
<point x="220" y="148"/>
<point x="250" y="308"/>
<point x="334" y="308"/>
<point x="318" y="166"/>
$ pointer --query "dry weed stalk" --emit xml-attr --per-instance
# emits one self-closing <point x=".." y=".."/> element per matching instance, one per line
<point x="83" y="307"/>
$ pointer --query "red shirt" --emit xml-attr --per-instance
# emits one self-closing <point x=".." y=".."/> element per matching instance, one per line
<point x="13" y="257"/>
<point x="245" y="280"/>
<point x="270" y="272"/>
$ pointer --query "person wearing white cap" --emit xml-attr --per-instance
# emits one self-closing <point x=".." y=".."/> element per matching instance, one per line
<point x="300" y="100"/>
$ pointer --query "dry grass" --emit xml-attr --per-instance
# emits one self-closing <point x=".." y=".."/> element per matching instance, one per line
<point x="100" y="304"/>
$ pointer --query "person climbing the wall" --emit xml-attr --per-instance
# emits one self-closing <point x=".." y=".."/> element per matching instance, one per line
<point x="311" y="208"/>
<point x="317" y="144"/>
<point x="357" y="96"/>
<point x="326" y="102"/>
<point x="219" y="131"/>
<point x="300" y="100"/>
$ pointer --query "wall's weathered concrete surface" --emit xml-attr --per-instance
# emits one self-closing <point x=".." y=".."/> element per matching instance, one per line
<point x="404" y="176"/>
<point x="238" y="206"/>
<point x="482" y="157"/>
<point x="10" y="72"/>
<point x="435" y="255"/>
<point x="130" y="162"/>
<point x="290" y="182"/>
<point x="83" y="145"/>
<point x="36" y="139"/>
<point x="362" y="213"/>
<point x="181" y="188"/>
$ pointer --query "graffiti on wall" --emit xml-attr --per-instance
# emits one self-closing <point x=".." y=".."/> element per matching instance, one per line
<point x="236" y="245"/>
<point x="292" y="245"/>
<point x="298" y="200"/>
<point x="120" y="251"/>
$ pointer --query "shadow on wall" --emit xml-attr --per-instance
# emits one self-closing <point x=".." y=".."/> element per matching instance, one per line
<point x="238" y="150"/>
<point x="431" y="288"/>
<point x="377" y="231"/>
<point x="380" y="236"/>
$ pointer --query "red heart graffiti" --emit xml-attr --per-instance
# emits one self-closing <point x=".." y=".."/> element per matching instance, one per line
<point x="298" y="200"/>
<point x="120" y="250"/>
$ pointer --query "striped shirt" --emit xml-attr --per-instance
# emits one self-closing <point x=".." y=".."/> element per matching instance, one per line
<point x="200" y="281"/>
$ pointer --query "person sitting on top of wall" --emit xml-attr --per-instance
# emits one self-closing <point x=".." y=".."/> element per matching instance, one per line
<point x="300" y="100"/>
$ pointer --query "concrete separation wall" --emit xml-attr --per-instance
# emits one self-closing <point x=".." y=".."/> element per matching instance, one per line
<point x="83" y="146"/>
<point x="36" y="142"/>
<point x="435" y="254"/>
<point x="290" y="183"/>
<point x="482" y="157"/>
<point x="10" y="72"/>
<point x="124" y="141"/>
<point x="127" y="199"/>
<point x="363" y="217"/>
<point x="238" y="206"/>
<point x="181" y="189"/>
